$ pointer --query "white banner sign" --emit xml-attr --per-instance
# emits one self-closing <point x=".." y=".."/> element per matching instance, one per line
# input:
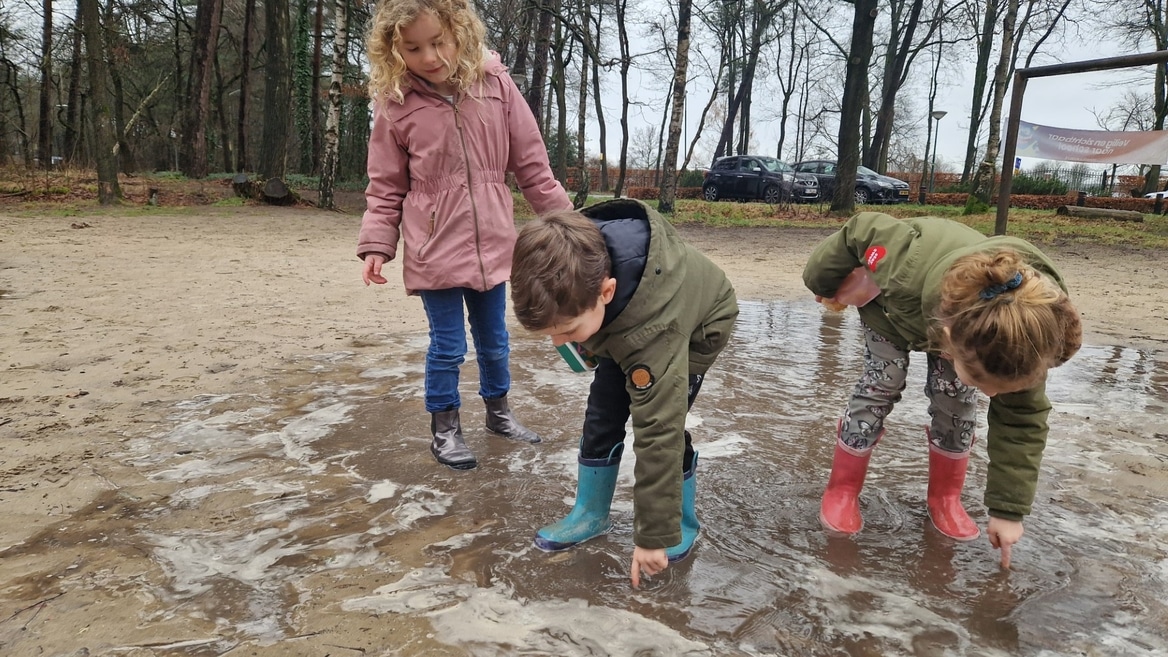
<point x="1100" y="146"/>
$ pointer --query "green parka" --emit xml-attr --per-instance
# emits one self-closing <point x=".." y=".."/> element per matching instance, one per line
<point x="675" y="324"/>
<point x="907" y="259"/>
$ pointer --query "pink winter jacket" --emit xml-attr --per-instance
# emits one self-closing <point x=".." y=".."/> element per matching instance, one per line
<point x="436" y="178"/>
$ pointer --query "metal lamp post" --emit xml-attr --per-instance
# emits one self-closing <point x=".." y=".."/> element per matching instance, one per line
<point x="937" y="116"/>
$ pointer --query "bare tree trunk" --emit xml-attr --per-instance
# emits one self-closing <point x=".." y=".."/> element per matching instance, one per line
<point x="115" y="44"/>
<point x="702" y="119"/>
<point x="934" y="84"/>
<point x="602" y="129"/>
<point x="983" y="182"/>
<point x="669" y="179"/>
<point x="108" y="191"/>
<point x="539" y="64"/>
<point x="45" y="119"/>
<point x="519" y="70"/>
<point x="73" y="111"/>
<point x="897" y="60"/>
<point x="729" y="13"/>
<point x="562" y="54"/>
<point x="583" y="184"/>
<point x="328" y="172"/>
<point x="244" y="87"/>
<point x="126" y="159"/>
<point x="314" y="93"/>
<point x="981" y="73"/>
<point x="851" y="107"/>
<point x="12" y="80"/>
<point x="277" y="90"/>
<point x="626" y="60"/>
<point x="665" y="115"/>
<point x="221" y="118"/>
<point x="198" y="98"/>
<point x="787" y="82"/>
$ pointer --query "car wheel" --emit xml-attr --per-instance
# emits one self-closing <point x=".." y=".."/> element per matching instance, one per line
<point x="773" y="194"/>
<point x="710" y="193"/>
<point x="862" y="196"/>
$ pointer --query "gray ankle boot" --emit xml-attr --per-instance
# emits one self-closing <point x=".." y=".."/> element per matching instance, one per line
<point x="501" y="421"/>
<point x="448" y="446"/>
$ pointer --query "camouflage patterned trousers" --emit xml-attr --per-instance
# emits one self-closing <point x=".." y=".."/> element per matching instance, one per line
<point x="952" y="404"/>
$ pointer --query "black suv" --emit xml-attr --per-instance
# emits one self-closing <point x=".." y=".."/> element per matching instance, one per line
<point x="757" y="177"/>
<point x="871" y="187"/>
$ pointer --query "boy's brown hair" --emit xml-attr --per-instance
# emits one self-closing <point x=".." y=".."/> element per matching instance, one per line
<point x="559" y="264"/>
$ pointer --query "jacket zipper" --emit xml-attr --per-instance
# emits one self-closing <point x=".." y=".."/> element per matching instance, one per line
<point x="474" y="210"/>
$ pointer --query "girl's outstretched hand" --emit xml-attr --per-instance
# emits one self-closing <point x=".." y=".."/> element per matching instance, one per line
<point x="649" y="562"/>
<point x="372" y="270"/>
<point x="1004" y="534"/>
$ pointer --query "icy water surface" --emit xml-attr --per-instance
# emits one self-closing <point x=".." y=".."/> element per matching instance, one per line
<point x="318" y="509"/>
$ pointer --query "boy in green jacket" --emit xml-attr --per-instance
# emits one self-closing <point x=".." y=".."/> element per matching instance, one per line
<point x="991" y="314"/>
<point x="617" y="279"/>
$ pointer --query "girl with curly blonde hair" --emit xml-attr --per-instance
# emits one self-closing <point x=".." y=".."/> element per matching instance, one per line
<point x="449" y="124"/>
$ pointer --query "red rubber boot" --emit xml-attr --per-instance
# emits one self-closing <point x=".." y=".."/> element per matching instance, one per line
<point x="840" y="509"/>
<point x="946" y="479"/>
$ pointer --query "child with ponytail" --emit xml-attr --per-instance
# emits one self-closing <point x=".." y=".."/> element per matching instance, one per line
<point x="991" y="314"/>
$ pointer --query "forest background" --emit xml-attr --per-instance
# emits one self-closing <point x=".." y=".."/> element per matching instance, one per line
<point x="274" y="89"/>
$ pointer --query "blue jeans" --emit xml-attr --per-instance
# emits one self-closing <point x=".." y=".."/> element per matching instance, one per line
<point x="488" y="326"/>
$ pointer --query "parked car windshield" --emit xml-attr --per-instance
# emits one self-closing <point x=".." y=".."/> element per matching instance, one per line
<point x="776" y="166"/>
<point x="866" y="170"/>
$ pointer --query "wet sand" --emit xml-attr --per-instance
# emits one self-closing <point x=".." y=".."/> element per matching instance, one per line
<point x="213" y="443"/>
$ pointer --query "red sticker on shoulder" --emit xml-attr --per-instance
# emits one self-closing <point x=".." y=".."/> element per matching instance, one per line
<point x="873" y="255"/>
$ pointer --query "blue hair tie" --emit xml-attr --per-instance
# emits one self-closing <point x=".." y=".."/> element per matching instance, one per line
<point x="994" y="290"/>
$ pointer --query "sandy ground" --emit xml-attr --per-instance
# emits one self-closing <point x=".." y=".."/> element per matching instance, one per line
<point x="109" y="321"/>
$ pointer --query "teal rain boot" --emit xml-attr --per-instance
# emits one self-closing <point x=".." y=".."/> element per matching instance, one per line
<point x="689" y="515"/>
<point x="589" y="516"/>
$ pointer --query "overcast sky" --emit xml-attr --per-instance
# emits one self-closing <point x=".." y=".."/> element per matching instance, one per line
<point x="1060" y="101"/>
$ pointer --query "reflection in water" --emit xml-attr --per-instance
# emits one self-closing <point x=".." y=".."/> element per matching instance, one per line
<point x="319" y="510"/>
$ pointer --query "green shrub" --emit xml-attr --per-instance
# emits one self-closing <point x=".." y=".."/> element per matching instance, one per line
<point x="974" y="205"/>
<point x="1040" y="185"/>
<point x="690" y="178"/>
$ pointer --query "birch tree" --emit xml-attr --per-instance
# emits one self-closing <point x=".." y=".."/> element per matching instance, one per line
<point x="328" y="171"/>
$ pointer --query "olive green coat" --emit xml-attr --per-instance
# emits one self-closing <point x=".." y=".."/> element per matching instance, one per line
<point x="676" y="323"/>
<point x="913" y="256"/>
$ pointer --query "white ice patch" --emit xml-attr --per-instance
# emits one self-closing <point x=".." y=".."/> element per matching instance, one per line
<point x="415" y="503"/>
<point x="490" y="621"/>
<point x="195" y="469"/>
<point x="382" y="490"/>
<point x="192" y="561"/>
<point x="307" y="429"/>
